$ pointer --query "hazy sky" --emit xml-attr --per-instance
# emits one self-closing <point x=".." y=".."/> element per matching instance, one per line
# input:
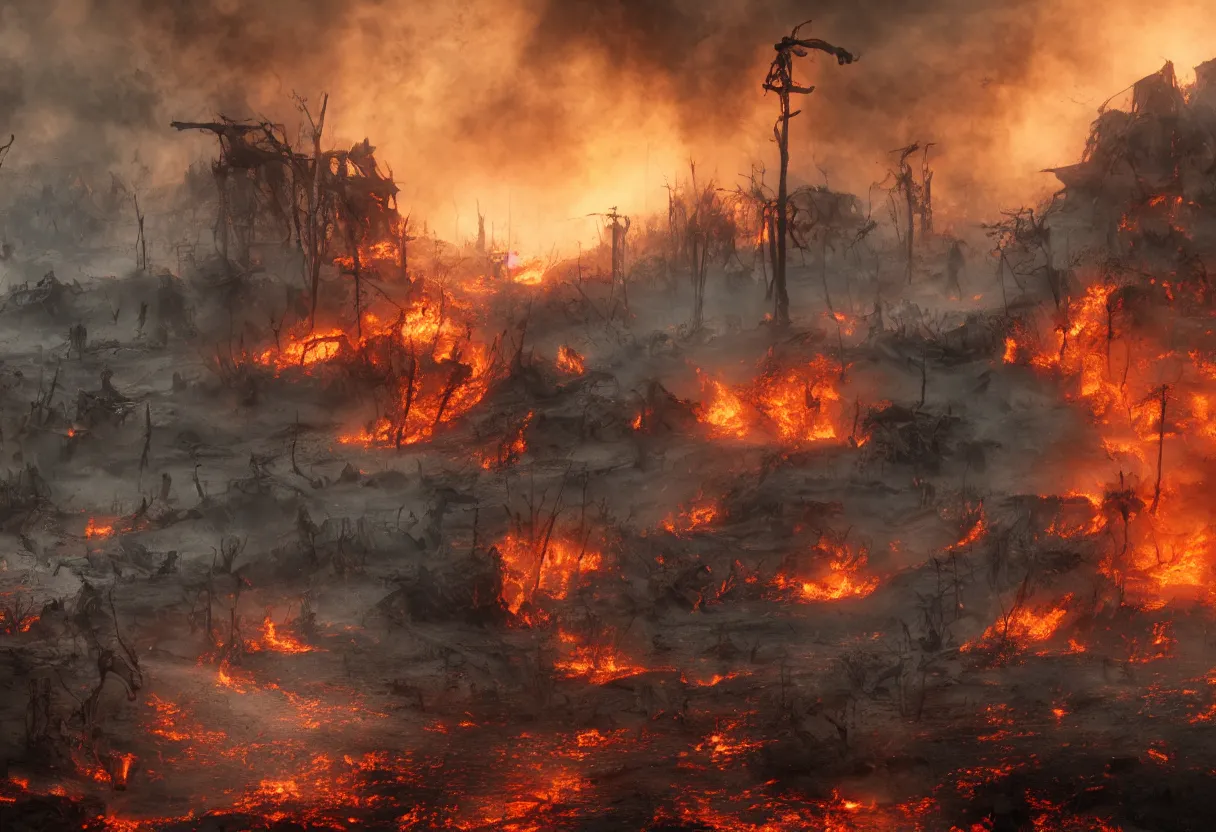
<point x="559" y="108"/>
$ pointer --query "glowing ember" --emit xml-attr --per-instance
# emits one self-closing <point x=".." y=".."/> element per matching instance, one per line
<point x="98" y="528"/>
<point x="549" y="566"/>
<point x="1021" y="626"/>
<point x="725" y="746"/>
<point x="844" y="578"/>
<point x="799" y="404"/>
<point x="570" y="361"/>
<point x="274" y="641"/>
<point x="598" y="664"/>
<point x="510" y="449"/>
<point x="16" y="620"/>
<point x="434" y="367"/>
<point x="758" y="811"/>
<point x="120" y="770"/>
<point x="700" y="514"/>
<point x="977" y="531"/>
<point x="428" y="400"/>
<point x="172" y="723"/>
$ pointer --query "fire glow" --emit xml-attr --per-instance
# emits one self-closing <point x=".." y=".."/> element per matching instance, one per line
<point x="798" y="404"/>
<point x="549" y="566"/>
<point x="844" y="577"/>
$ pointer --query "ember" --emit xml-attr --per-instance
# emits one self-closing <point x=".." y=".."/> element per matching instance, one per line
<point x="549" y="566"/>
<point x="597" y="664"/>
<point x="701" y="513"/>
<point x="570" y="361"/>
<point x="273" y="640"/>
<point x="844" y="576"/>
<point x="98" y="528"/>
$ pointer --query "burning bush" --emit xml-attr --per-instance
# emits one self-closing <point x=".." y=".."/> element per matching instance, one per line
<point x="831" y="571"/>
<point x="796" y="403"/>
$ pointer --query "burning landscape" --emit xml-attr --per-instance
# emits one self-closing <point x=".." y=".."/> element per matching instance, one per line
<point x="761" y="506"/>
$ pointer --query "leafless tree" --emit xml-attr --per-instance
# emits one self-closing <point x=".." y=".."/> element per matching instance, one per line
<point x="780" y="79"/>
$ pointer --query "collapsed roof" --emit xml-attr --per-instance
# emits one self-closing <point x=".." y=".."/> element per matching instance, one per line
<point x="1165" y="143"/>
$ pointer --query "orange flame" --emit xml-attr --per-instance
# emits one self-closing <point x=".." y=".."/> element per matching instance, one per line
<point x="272" y="640"/>
<point x="843" y="578"/>
<point x="800" y="404"/>
<point x="97" y="527"/>
<point x="550" y="567"/>
<point x="723" y="411"/>
<point x="570" y="361"/>
<point x="1022" y="626"/>
<point x="701" y="513"/>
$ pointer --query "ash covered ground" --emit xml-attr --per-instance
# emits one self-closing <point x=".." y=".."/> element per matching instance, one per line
<point x="477" y="541"/>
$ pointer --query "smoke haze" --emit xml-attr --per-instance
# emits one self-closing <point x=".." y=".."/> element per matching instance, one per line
<point x="542" y="111"/>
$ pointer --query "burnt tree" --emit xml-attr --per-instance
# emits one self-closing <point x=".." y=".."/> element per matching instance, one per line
<point x="619" y="224"/>
<point x="780" y="79"/>
<point x="256" y="157"/>
<point x="918" y="199"/>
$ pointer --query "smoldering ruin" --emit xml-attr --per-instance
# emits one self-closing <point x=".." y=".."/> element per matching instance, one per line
<point x="775" y="507"/>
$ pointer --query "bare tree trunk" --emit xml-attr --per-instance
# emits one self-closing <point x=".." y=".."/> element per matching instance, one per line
<point x="910" y="199"/>
<point x="770" y="224"/>
<point x="141" y="253"/>
<point x="780" y="79"/>
<point x="695" y="257"/>
<point x="781" y="308"/>
<point x="1000" y="276"/>
<point x="314" y="212"/>
<point x="1160" y="449"/>
<point x="221" y="182"/>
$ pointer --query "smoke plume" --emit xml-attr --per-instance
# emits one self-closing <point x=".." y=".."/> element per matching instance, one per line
<point x="541" y="111"/>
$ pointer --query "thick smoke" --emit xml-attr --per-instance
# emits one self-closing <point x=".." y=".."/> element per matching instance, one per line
<point x="544" y="110"/>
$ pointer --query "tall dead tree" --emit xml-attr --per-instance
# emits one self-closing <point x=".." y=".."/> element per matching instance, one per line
<point x="141" y="242"/>
<point x="703" y="228"/>
<point x="618" y="224"/>
<point x="328" y="198"/>
<point x="254" y="161"/>
<point x="1162" y="395"/>
<point x="314" y="222"/>
<point x="758" y="202"/>
<point x="917" y="197"/>
<point x="926" y="194"/>
<point x="780" y="79"/>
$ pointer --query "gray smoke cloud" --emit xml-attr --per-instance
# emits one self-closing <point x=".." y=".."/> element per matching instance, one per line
<point x="552" y="101"/>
